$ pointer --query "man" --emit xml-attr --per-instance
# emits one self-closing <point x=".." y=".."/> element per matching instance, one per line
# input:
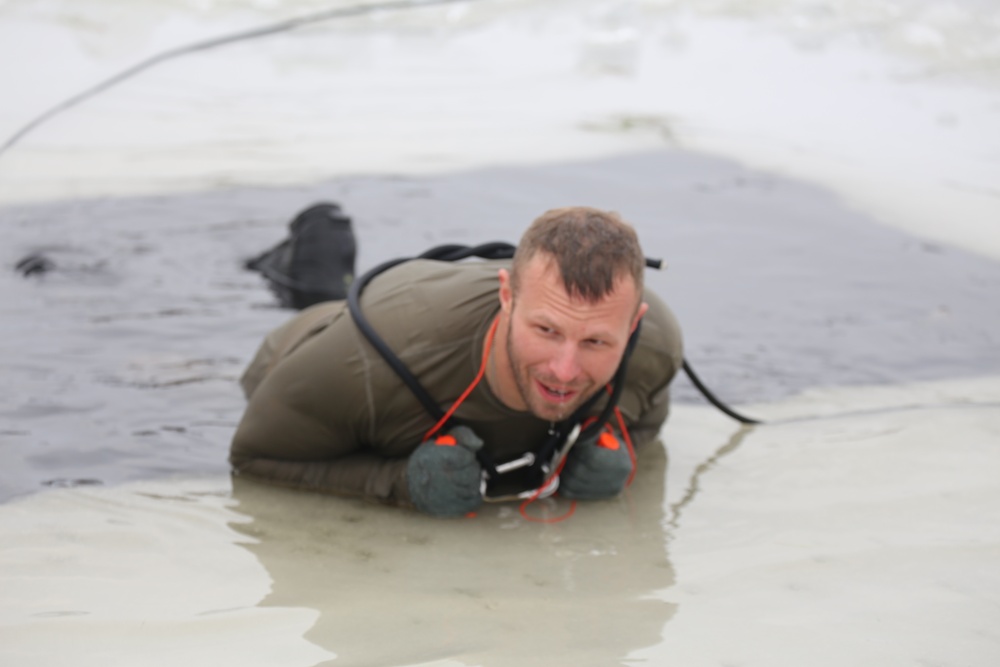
<point x="513" y="351"/>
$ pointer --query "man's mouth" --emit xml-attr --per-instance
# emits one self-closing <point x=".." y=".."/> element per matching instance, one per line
<point x="555" y="394"/>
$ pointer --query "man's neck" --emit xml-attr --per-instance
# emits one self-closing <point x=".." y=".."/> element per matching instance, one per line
<point x="499" y="373"/>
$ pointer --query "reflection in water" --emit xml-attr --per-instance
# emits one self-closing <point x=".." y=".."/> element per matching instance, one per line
<point x="394" y="587"/>
<point x="144" y="574"/>
<point x="694" y="486"/>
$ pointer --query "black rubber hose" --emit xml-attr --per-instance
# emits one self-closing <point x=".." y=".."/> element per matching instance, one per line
<point x="495" y="250"/>
<point x="408" y="378"/>
<point x="712" y="399"/>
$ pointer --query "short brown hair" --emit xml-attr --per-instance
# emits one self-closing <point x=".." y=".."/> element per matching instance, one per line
<point x="592" y="249"/>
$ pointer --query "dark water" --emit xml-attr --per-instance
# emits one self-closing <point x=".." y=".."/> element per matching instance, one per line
<point x="121" y="363"/>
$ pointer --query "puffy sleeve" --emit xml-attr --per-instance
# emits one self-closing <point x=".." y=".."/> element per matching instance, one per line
<point x="308" y="416"/>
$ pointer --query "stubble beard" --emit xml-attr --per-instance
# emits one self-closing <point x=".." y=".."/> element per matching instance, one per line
<point x="554" y="412"/>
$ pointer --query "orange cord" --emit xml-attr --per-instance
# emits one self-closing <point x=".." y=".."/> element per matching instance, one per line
<point x="534" y="496"/>
<point x="572" y="508"/>
<point x="628" y="444"/>
<point x="468" y="390"/>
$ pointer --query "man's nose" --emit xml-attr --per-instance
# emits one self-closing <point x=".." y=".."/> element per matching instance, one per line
<point x="565" y="366"/>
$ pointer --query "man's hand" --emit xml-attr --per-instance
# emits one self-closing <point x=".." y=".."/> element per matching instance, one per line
<point x="444" y="476"/>
<point x="596" y="468"/>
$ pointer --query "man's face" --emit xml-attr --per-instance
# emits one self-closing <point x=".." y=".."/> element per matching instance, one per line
<point x="561" y="349"/>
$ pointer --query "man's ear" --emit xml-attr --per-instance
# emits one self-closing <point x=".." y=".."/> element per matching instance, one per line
<point x="506" y="291"/>
<point x="643" y="307"/>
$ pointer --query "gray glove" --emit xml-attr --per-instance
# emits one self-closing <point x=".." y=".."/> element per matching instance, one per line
<point x="596" y="468"/>
<point x="444" y="476"/>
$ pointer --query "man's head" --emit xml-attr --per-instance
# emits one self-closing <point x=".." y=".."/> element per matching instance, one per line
<point x="592" y="249"/>
<point x="568" y="306"/>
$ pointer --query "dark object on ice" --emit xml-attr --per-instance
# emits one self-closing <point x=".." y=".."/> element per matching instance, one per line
<point x="67" y="483"/>
<point x="316" y="262"/>
<point x="35" y="263"/>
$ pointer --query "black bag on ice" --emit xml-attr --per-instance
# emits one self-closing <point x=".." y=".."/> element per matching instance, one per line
<point x="315" y="263"/>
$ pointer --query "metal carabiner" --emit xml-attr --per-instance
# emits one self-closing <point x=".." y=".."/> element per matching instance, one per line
<point x="528" y="459"/>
